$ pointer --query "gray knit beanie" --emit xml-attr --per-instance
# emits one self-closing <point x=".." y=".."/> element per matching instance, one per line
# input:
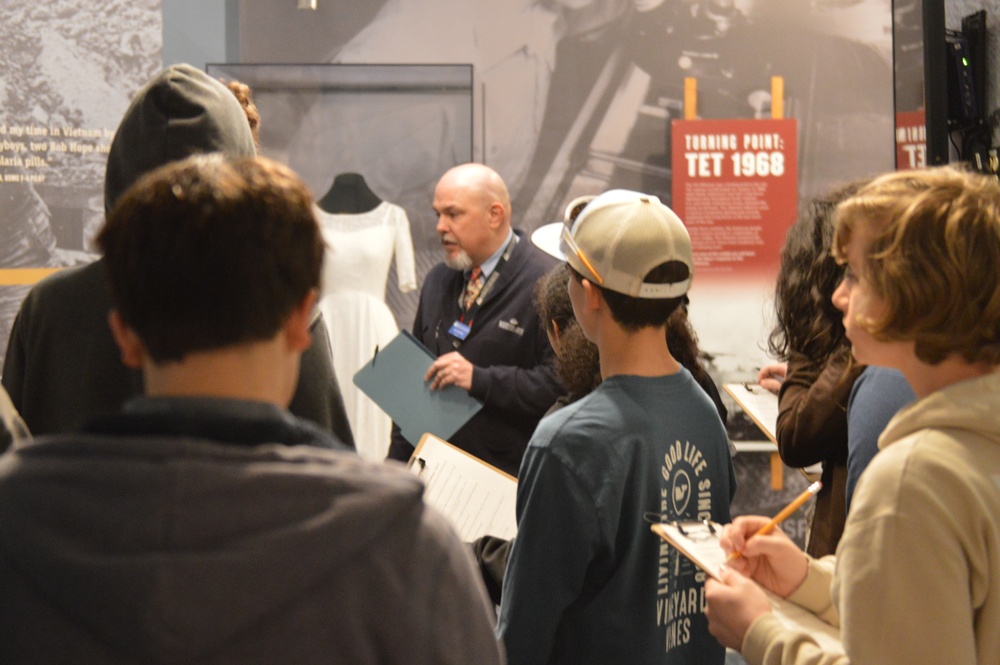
<point x="181" y="112"/>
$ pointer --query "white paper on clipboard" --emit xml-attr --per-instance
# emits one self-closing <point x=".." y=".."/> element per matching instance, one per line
<point x="478" y="499"/>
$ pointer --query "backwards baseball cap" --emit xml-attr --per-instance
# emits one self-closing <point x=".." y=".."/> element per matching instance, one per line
<point x="617" y="238"/>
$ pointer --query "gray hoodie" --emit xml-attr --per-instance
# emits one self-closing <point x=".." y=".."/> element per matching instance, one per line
<point x="916" y="577"/>
<point x="62" y="366"/>
<point x="124" y="547"/>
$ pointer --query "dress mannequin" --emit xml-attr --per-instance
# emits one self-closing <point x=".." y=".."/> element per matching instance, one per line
<point x="363" y="234"/>
<point x="349" y="194"/>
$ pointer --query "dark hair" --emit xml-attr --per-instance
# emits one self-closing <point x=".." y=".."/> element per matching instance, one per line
<point x="207" y="253"/>
<point x="633" y="314"/>
<point x="245" y="97"/>
<point x="807" y="321"/>
<point x="552" y="298"/>
<point x="683" y="344"/>
<point x="578" y="360"/>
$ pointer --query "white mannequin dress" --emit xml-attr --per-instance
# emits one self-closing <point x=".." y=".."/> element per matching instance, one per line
<point x="360" y="249"/>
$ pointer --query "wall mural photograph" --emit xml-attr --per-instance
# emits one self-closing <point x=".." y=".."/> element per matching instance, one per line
<point x="67" y="72"/>
<point x="566" y="98"/>
<point x="573" y="97"/>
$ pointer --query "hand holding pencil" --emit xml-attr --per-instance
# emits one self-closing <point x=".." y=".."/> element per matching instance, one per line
<point x="783" y="514"/>
<point x="759" y="551"/>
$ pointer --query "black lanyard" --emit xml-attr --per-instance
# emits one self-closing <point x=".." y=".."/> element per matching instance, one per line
<point x="469" y="315"/>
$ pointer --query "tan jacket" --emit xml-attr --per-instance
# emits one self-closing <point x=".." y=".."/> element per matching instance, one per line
<point x="916" y="578"/>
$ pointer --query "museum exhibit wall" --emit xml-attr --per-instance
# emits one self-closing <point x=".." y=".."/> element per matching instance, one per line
<point x="67" y="71"/>
<point x="569" y="98"/>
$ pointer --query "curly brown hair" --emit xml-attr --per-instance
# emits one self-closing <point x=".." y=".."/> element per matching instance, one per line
<point x="933" y="257"/>
<point x="552" y="298"/>
<point x="807" y="321"/>
<point x="578" y="362"/>
<point x="683" y="344"/>
<point x="245" y="97"/>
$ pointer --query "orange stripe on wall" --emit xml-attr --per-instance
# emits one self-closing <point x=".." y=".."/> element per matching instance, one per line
<point x="24" y="276"/>
<point x="690" y="98"/>
<point x="777" y="97"/>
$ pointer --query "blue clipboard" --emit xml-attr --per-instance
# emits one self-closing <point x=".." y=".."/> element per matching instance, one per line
<point x="394" y="379"/>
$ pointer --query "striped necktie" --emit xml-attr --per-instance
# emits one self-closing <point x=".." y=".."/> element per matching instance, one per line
<point x="473" y="287"/>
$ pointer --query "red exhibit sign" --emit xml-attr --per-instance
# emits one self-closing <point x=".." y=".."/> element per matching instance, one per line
<point x="735" y="185"/>
<point x="911" y="140"/>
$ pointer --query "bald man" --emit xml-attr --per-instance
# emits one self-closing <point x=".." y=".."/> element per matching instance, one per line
<point x="476" y="314"/>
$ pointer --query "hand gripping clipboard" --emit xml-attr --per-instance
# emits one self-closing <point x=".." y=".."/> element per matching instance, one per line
<point x="699" y="542"/>
<point x="394" y="379"/>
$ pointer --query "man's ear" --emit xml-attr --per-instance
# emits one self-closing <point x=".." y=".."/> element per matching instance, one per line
<point x="133" y="351"/>
<point x="297" y="326"/>
<point x="496" y="215"/>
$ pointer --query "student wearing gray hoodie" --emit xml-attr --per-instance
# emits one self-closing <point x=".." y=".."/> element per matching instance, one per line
<point x="62" y="367"/>
<point x="184" y="529"/>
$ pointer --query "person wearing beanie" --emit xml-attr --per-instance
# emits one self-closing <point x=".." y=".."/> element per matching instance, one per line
<point x="587" y="580"/>
<point x="62" y="366"/>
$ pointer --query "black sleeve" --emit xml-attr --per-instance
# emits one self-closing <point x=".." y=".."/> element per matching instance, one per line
<point x="399" y="448"/>
<point x="492" y="553"/>
<point x="317" y="396"/>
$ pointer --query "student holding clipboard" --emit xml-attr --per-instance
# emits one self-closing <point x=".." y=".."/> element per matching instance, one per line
<point x="814" y="381"/>
<point x="916" y="578"/>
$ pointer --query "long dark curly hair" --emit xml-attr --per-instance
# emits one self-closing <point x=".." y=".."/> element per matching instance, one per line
<point x="552" y="301"/>
<point x="577" y="362"/>
<point x="683" y="344"/>
<point x="807" y="321"/>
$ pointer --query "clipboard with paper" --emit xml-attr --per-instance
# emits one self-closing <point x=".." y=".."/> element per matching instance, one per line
<point x="478" y="498"/>
<point x="699" y="542"/>
<point x="760" y="404"/>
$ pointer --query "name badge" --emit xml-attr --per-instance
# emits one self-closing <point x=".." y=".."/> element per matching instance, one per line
<point x="459" y="330"/>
